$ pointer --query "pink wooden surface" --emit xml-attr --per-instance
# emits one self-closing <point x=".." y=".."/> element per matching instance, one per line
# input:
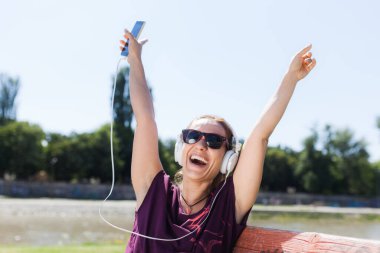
<point x="262" y="240"/>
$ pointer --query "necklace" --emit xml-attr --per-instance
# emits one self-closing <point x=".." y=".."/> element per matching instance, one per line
<point x="190" y="207"/>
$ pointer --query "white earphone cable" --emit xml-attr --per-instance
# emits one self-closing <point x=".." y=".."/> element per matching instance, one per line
<point x="113" y="179"/>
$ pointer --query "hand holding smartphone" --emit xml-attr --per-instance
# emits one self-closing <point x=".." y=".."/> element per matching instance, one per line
<point x="136" y="31"/>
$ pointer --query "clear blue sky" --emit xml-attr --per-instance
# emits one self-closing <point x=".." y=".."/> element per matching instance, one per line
<point x="218" y="57"/>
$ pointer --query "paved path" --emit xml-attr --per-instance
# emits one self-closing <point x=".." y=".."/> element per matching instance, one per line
<point x="317" y="209"/>
<point x="91" y="205"/>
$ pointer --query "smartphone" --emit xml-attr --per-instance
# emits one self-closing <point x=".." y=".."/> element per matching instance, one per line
<point x="137" y="28"/>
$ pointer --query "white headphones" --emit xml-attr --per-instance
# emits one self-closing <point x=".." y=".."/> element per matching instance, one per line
<point x="230" y="158"/>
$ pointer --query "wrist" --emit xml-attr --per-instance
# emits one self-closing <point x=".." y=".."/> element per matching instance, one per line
<point x="134" y="60"/>
<point x="291" y="77"/>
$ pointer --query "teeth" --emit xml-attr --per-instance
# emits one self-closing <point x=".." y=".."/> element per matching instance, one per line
<point x="193" y="157"/>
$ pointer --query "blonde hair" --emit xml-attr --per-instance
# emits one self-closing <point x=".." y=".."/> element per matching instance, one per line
<point x="178" y="177"/>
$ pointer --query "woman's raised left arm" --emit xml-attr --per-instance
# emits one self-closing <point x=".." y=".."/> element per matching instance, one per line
<point x="249" y="170"/>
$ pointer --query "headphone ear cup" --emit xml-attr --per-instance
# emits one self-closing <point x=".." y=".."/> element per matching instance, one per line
<point x="229" y="162"/>
<point x="178" y="150"/>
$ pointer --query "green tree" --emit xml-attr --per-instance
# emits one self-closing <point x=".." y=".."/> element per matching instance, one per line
<point x="340" y="166"/>
<point x="352" y="162"/>
<point x="123" y="116"/>
<point x="80" y="157"/>
<point x="376" y="168"/>
<point x="315" y="167"/>
<point x="166" y="152"/>
<point x="55" y="156"/>
<point x="377" y="165"/>
<point x="279" y="167"/>
<point x="69" y="156"/>
<point x="21" y="150"/>
<point x="101" y="153"/>
<point x="122" y="107"/>
<point x="8" y="92"/>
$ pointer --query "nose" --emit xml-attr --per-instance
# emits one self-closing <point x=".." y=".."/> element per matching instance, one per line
<point x="202" y="142"/>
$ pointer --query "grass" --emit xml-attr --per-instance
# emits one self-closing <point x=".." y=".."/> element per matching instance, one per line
<point x="84" y="248"/>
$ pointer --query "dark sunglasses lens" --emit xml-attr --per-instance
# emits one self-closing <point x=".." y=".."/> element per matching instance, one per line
<point x="214" y="141"/>
<point x="191" y="136"/>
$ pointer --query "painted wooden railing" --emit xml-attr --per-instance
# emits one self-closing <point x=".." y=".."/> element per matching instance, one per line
<point x="263" y="240"/>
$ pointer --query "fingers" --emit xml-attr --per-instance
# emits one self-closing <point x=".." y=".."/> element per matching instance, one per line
<point x="128" y="35"/>
<point x="304" y="51"/>
<point x="307" y="60"/>
<point x="311" y="65"/>
<point x="307" y="55"/>
<point x="142" y="43"/>
<point x="123" y="43"/>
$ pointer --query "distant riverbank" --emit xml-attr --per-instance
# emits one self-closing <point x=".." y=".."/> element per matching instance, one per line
<point x="26" y="189"/>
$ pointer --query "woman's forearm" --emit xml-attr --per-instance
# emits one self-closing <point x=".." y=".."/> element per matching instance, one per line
<point x="275" y="108"/>
<point x="299" y="68"/>
<point x="140" y="95"/>
<point x="249" y="170"/>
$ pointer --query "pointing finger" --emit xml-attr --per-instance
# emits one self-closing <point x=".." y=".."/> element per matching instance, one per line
<point x="304" y="51"/>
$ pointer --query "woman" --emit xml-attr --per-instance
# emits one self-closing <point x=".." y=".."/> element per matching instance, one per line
<point x="207" y="212"/>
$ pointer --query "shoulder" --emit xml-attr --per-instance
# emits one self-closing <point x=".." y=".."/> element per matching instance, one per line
<point x="227" y="197"/>
<point x="224" y="191"/>
<point x="228" y="184"/>
<point x="160" y="181"/>
<point x="158" y="190"/>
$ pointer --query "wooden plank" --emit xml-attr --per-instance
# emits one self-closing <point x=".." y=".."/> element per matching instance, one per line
<point x="264" y="240"/>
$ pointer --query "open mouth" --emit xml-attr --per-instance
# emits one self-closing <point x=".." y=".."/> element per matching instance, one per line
<point x="198" y="160"/>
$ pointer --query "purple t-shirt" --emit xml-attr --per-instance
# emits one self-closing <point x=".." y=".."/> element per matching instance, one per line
<point x="161" y="215"/>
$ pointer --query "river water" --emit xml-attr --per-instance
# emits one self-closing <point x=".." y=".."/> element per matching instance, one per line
<point x="60" y="222"/>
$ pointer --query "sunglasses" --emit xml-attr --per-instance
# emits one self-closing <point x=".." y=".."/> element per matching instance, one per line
<point x="214" y="141"/>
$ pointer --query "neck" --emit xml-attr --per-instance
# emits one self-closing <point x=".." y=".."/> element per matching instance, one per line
<point x="194" y="195"/>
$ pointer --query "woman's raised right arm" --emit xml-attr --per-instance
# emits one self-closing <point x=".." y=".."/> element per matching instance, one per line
<point x="145" y="157"/>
